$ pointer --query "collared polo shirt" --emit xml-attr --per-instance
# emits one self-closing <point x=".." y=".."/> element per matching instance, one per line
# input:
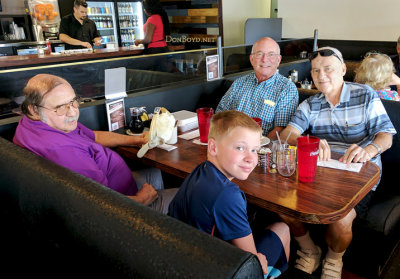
<point x="356" y="119"/>
<point x="274" y="100"/>
<point x="77" y="151"/>
<point x="85" y="32"/>
<point x="207" y="198"/>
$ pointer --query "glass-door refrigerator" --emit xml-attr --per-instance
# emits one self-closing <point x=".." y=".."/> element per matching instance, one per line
<point x="130" y="19"/>
<point x="103" y="14"/>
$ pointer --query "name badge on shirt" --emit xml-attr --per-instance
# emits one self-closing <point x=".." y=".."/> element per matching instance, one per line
<point x="269" y="102"/>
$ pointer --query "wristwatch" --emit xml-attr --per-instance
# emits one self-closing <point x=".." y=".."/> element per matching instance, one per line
<point x="377" y="147"/>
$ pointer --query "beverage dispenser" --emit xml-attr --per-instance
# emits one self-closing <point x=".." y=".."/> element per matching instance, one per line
<point x="46" y="19"/>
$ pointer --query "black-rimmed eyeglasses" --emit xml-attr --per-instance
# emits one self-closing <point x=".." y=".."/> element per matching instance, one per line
<point x="323" y="53"/>
<point x="62" y="109"/>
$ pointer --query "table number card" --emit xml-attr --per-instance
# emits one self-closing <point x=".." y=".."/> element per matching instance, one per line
<point x="212" y="63"/>
<point x="115" y="114"/>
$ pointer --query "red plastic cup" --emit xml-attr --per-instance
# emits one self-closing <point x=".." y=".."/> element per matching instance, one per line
<point x="204" y="116"/>
<point x="258" y="120"/>
<point x="307" y="156"/>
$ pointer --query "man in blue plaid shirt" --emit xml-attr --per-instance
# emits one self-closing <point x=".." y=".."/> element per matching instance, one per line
<point x="349" y="118"/>
<point x="265" y="93"/>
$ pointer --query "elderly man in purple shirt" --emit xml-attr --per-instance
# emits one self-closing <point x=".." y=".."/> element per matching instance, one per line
<point x="50" y="128"/>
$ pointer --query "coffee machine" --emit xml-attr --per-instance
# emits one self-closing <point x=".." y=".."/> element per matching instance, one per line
<point x="45" y="16"/>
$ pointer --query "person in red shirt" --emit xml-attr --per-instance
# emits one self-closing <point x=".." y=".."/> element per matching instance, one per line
<point x="155" y="28"/>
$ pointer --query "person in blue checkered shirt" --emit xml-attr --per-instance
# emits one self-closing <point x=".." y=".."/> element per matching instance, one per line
<point x="264" y="93"/>
<point x="349" y="119"/>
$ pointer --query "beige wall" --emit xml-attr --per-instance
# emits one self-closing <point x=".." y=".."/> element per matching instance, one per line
<point x="236" y="12"/>
<point x="368" y="20"/>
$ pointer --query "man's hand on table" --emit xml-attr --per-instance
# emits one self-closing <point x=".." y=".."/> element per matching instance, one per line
<point x="324" y="150"/>
<point x="355" y="154"/>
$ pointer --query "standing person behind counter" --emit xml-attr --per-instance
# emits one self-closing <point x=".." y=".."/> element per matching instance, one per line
<point x="155" y="28"/>
<point x="77" y="30"/>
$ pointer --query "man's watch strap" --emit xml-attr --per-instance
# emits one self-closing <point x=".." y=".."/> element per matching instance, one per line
<point x="377" y="147"/>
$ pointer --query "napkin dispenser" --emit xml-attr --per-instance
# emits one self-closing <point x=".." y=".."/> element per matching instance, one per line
<point x="187" y="120"/>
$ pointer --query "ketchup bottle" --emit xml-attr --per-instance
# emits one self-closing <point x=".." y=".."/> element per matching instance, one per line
<point x="48" y="44"/>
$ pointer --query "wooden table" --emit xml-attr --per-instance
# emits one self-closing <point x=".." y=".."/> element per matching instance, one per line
<point x="329" y="198"/>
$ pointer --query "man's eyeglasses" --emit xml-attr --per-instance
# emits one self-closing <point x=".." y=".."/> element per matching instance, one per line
<point x="323" y="53"/>
<point x="260" y="54"/>
<point x="62" y="109"/>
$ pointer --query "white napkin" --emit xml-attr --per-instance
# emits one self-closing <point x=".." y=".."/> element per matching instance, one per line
<point x="197" y="141"/>
<point x="335" y="164"/>
<point x="190" y="135"/>
<point x="167" y="147"/>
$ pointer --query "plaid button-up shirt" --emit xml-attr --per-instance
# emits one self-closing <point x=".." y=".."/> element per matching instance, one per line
<point x="274" y="100"/>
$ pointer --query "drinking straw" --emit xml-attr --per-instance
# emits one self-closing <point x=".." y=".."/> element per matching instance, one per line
<point x="288" y="136"/>
<point x="279" y="139"/>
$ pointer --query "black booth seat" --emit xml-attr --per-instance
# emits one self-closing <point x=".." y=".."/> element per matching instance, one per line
<point x="59" y="224"/>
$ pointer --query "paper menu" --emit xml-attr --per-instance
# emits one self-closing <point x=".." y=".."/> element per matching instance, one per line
<point x="335" y="164"/>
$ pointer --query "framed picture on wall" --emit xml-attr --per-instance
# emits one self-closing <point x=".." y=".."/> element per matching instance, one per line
<point x="115" y="114"/>
<point x="212" y="66"/>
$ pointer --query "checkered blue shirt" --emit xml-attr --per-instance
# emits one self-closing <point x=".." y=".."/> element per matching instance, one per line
<point x="274" y="100"/>
<point x="357" y="118"/>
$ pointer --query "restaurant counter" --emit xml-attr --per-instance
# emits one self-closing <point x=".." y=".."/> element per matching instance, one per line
<point x="7" y="62"/>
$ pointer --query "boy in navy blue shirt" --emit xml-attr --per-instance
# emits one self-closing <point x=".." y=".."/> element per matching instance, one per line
<point x="209" y="201"/>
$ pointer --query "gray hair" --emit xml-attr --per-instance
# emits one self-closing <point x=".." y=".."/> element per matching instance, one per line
<point x="36" y="88"/>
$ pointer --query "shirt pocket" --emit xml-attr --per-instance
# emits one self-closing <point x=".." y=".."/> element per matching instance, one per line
<point x="355" y="128"/>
